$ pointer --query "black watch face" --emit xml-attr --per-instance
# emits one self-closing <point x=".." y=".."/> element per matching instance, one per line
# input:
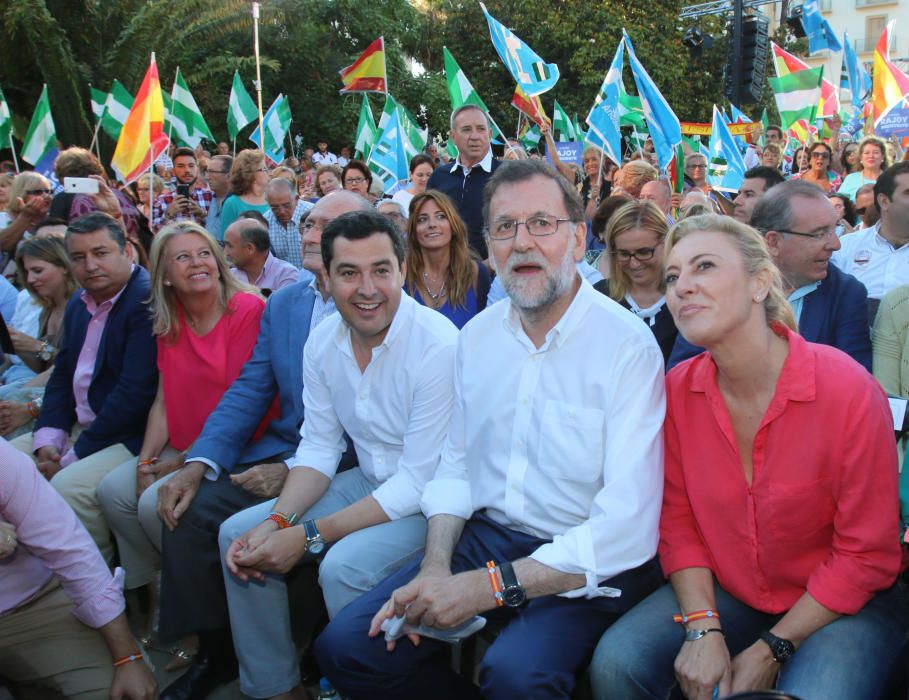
<point x="316" y="547"/>
<point x="783" y="649"/>
<point x="513" y="596"/>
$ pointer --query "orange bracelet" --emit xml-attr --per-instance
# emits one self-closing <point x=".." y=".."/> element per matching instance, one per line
<point x="697" y="615"/>
<point x="281" y="520"/>
<point x="127" y="659"/>
<point x="494" y="580"/>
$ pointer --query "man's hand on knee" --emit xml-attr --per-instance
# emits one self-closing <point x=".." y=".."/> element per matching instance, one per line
<point x="176" y="494"/>
<point x="263" y="480"/>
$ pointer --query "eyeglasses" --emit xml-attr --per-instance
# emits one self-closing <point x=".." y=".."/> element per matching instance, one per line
<point x="355" y="181"/>
<point x="540" y="225"/>
<point x="308" y="225"/>
<point x="823" y="155"/>
<point x="861" y="210"/>
<point x="831" y="233"/>
<point x="641" y="254"/>
<point x="697" y="166"/>
<point x="33" y="193"/>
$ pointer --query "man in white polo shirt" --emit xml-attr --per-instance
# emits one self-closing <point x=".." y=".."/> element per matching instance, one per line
<point x="878" y="256"/>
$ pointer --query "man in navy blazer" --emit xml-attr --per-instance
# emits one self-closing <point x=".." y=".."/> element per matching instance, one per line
<point x="105" y="375"/>
<point x="831" y="307"/>
<point x="227" y="470"/>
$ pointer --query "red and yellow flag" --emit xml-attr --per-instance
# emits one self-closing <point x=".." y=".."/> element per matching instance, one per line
<point x="891" y="85"/>
<point x="367" y="73"/>
<point x="531" y="106"/>
<point x="142" y="138"/>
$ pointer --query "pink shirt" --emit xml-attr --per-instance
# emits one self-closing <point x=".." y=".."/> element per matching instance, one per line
<point x="52" y="542"/>
<point x="82" y="377"/>
<point x="821" y="513"/>
<point x="197" y="370"/>
<point x="276" y="273"/>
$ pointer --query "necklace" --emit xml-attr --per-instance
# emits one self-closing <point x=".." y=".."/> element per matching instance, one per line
<point x="437" y="295"/>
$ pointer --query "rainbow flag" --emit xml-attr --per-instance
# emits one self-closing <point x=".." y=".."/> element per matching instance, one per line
<point x="367" y="73"/>
<point x="891" y="85"/>
<point x="142" y="138"/>
<point x="531" y="106"/>
<point x="785" y="63"/>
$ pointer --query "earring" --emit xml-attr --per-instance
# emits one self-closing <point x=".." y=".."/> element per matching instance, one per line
<point x="758" y="299"/>
<point x="167" y="284"/>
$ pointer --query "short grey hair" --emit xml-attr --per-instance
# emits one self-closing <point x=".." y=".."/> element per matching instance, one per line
<point x="461" y="109"/>
<point x="774" y="210"/>
<point x="254" y="233"/>
<point x="280" y="184"/>
<point x="515" y="171"/>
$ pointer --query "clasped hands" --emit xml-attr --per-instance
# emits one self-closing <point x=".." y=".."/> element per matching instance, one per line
<point x="705" y="664"/>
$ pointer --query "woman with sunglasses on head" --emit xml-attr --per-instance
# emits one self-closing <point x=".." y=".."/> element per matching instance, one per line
<point x="819" y="172"/>
<point x="634" y="239"/>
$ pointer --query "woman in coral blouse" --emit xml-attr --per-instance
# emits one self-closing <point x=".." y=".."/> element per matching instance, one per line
<point x="207" y="323"/>
<point x="780" y="529"/>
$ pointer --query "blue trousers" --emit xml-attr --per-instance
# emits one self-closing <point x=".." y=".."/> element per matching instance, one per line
<point x="539" y="651"/>
<point x="849" y="659"/>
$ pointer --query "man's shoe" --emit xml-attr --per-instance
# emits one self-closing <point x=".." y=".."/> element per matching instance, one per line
<point x="201" y="679"/>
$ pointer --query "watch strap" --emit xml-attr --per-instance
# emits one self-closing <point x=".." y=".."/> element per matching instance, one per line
<point x="311" y="530"/>
<point x="509" y="578"/>
<point x="782" y="649"/>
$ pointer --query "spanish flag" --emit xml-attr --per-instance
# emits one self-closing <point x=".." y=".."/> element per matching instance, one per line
<point x="367" y="73"/>
<point x="531" y="106"/>
<point x="891" y="85"/>
<point x="142" y="138"/>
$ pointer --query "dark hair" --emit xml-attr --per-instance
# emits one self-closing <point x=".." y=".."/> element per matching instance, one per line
<point x="820" y="144"/>
<point x="227" y="160"/>
<point x="183" y="151"/>
<point x="256" y="234"/>
<point x="255" y="216"/>
<point x="50" y="221"/>
<point x="357" y="225"/>
<point x="774" y="210"/>
<point x="770" y="176"/>
<point x="515" y="171"/>
<point x="778" y="129"/>
<point x="421" y="159"/>
<point x="848" y="207"/>
<point x="604" y="213"/>
<point x="97" y="221"/>
<point x="844" y="158"/>
<point x="357" y="165"/>
<point x="886" y="181"/>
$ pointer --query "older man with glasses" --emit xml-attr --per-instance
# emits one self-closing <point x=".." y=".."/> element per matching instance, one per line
<point x="285" y="211"/>
<point x="218" y="176"/>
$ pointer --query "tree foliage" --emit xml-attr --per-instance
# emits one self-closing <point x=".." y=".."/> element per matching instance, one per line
<point x="304" y="43"/>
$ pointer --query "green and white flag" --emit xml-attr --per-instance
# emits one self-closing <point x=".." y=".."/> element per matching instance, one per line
<point x="277" y="124"/>
<point x="530" y="139"/>
<point x="580" y="134"/>
<point x="241" y="110"/>
<point x="116" y="109"/>
<point x="562" y="127"/>
<point x="460" y="90"/>
<point x="41" y="137"/>
<point x="797" y="95"/>
<point x="631" y="110"/>
<point x="636" y="139"/>
<point x="187" y="122"/>
<point x="99" y="98"/>
<point x="6" y="122"/>
<point x="366" y="131"/>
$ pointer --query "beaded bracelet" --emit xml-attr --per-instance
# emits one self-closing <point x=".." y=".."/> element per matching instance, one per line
<point x="697" y="615"/>
<point x="127" y="659"/>
<point x="33" y="409"/>
<point x="147" y="462"/>
<point x="281" y="520"/>
<point x="494" y="580"/>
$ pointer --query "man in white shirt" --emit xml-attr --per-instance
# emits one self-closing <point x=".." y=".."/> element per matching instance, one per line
<point x="323" y="156"/>
<point x="878" y="256"/>
<point x="381" y="372"/>
<point x="543" y="514"/>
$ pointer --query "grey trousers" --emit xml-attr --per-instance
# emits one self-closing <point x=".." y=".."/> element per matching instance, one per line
<point x="259" y="612"/>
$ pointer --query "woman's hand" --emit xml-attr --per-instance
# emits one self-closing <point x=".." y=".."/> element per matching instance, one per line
<point x="23" y="343"/>
<point x="703" y="665"/>
<point x="13" y="414"/>
<point x="105" y="200"/>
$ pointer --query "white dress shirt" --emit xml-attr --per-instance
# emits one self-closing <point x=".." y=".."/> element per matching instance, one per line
<point x="550" y="447"/>
<point x="396" y="412"/>
<point x="873" y="260"/>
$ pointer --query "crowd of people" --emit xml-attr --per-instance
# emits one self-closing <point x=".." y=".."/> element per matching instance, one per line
<point x="629" y="433"/>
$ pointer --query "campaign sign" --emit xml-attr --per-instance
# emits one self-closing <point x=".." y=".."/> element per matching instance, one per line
<point x="569" y="152"/>
<point x="895" y="123"/>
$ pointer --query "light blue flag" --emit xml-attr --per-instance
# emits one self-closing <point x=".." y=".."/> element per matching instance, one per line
<point x="738" y="117"/>
<point x="388" y="159"/>
<point x="273" y="151"/>
<point x="725" y="166"/>
<point x="820" y="34"/>
<point x="603" y="119"/>
<point x="857" y="78"/>
<point x="531" y="72"/>
<point x="661" y="120"/>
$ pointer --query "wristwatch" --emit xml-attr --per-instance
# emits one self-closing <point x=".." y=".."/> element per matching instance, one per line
<point x="315" y="545"/>
<point x="782" y="649"/>
<point x="45" y="352"/>
<point x="513" y="594"/>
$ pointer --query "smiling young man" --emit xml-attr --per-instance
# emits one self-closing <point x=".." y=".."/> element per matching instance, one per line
<point x="380" y="371"/>
<point x="104" y="380"/>
<point x="543" y="513"/>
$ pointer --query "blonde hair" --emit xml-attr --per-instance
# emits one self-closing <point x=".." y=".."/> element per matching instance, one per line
<point x="755" y="257"/>
<point x="634" y="175"/>
<point x="156" y="187"/>
<point x="163" y="301"/>
<point x="50" y="250"/>
<point x="243" y="170"/>
<point x="460" y="262"/>
<point x="22" y="183"/>
<point x="641" y="214"/>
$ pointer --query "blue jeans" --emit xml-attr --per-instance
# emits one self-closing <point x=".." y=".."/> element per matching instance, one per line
<point x="849" y="659"/>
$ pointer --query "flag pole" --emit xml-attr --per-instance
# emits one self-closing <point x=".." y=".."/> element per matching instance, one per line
<point x="235" y="147"/>
<point x="13" y="149"/>
<point x="255" y="14"/>
<point x="498" y="128"/>
<point x="151" y="163"/>
<point x="384" y="66"/>
<point x="94" y="144"/>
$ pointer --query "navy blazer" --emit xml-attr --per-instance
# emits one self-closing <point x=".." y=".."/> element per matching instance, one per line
<point x="125" y="378"/>
<point x="275" y="367"/>
<point x="467" y="194"/>
<point x="836" y="314"/>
